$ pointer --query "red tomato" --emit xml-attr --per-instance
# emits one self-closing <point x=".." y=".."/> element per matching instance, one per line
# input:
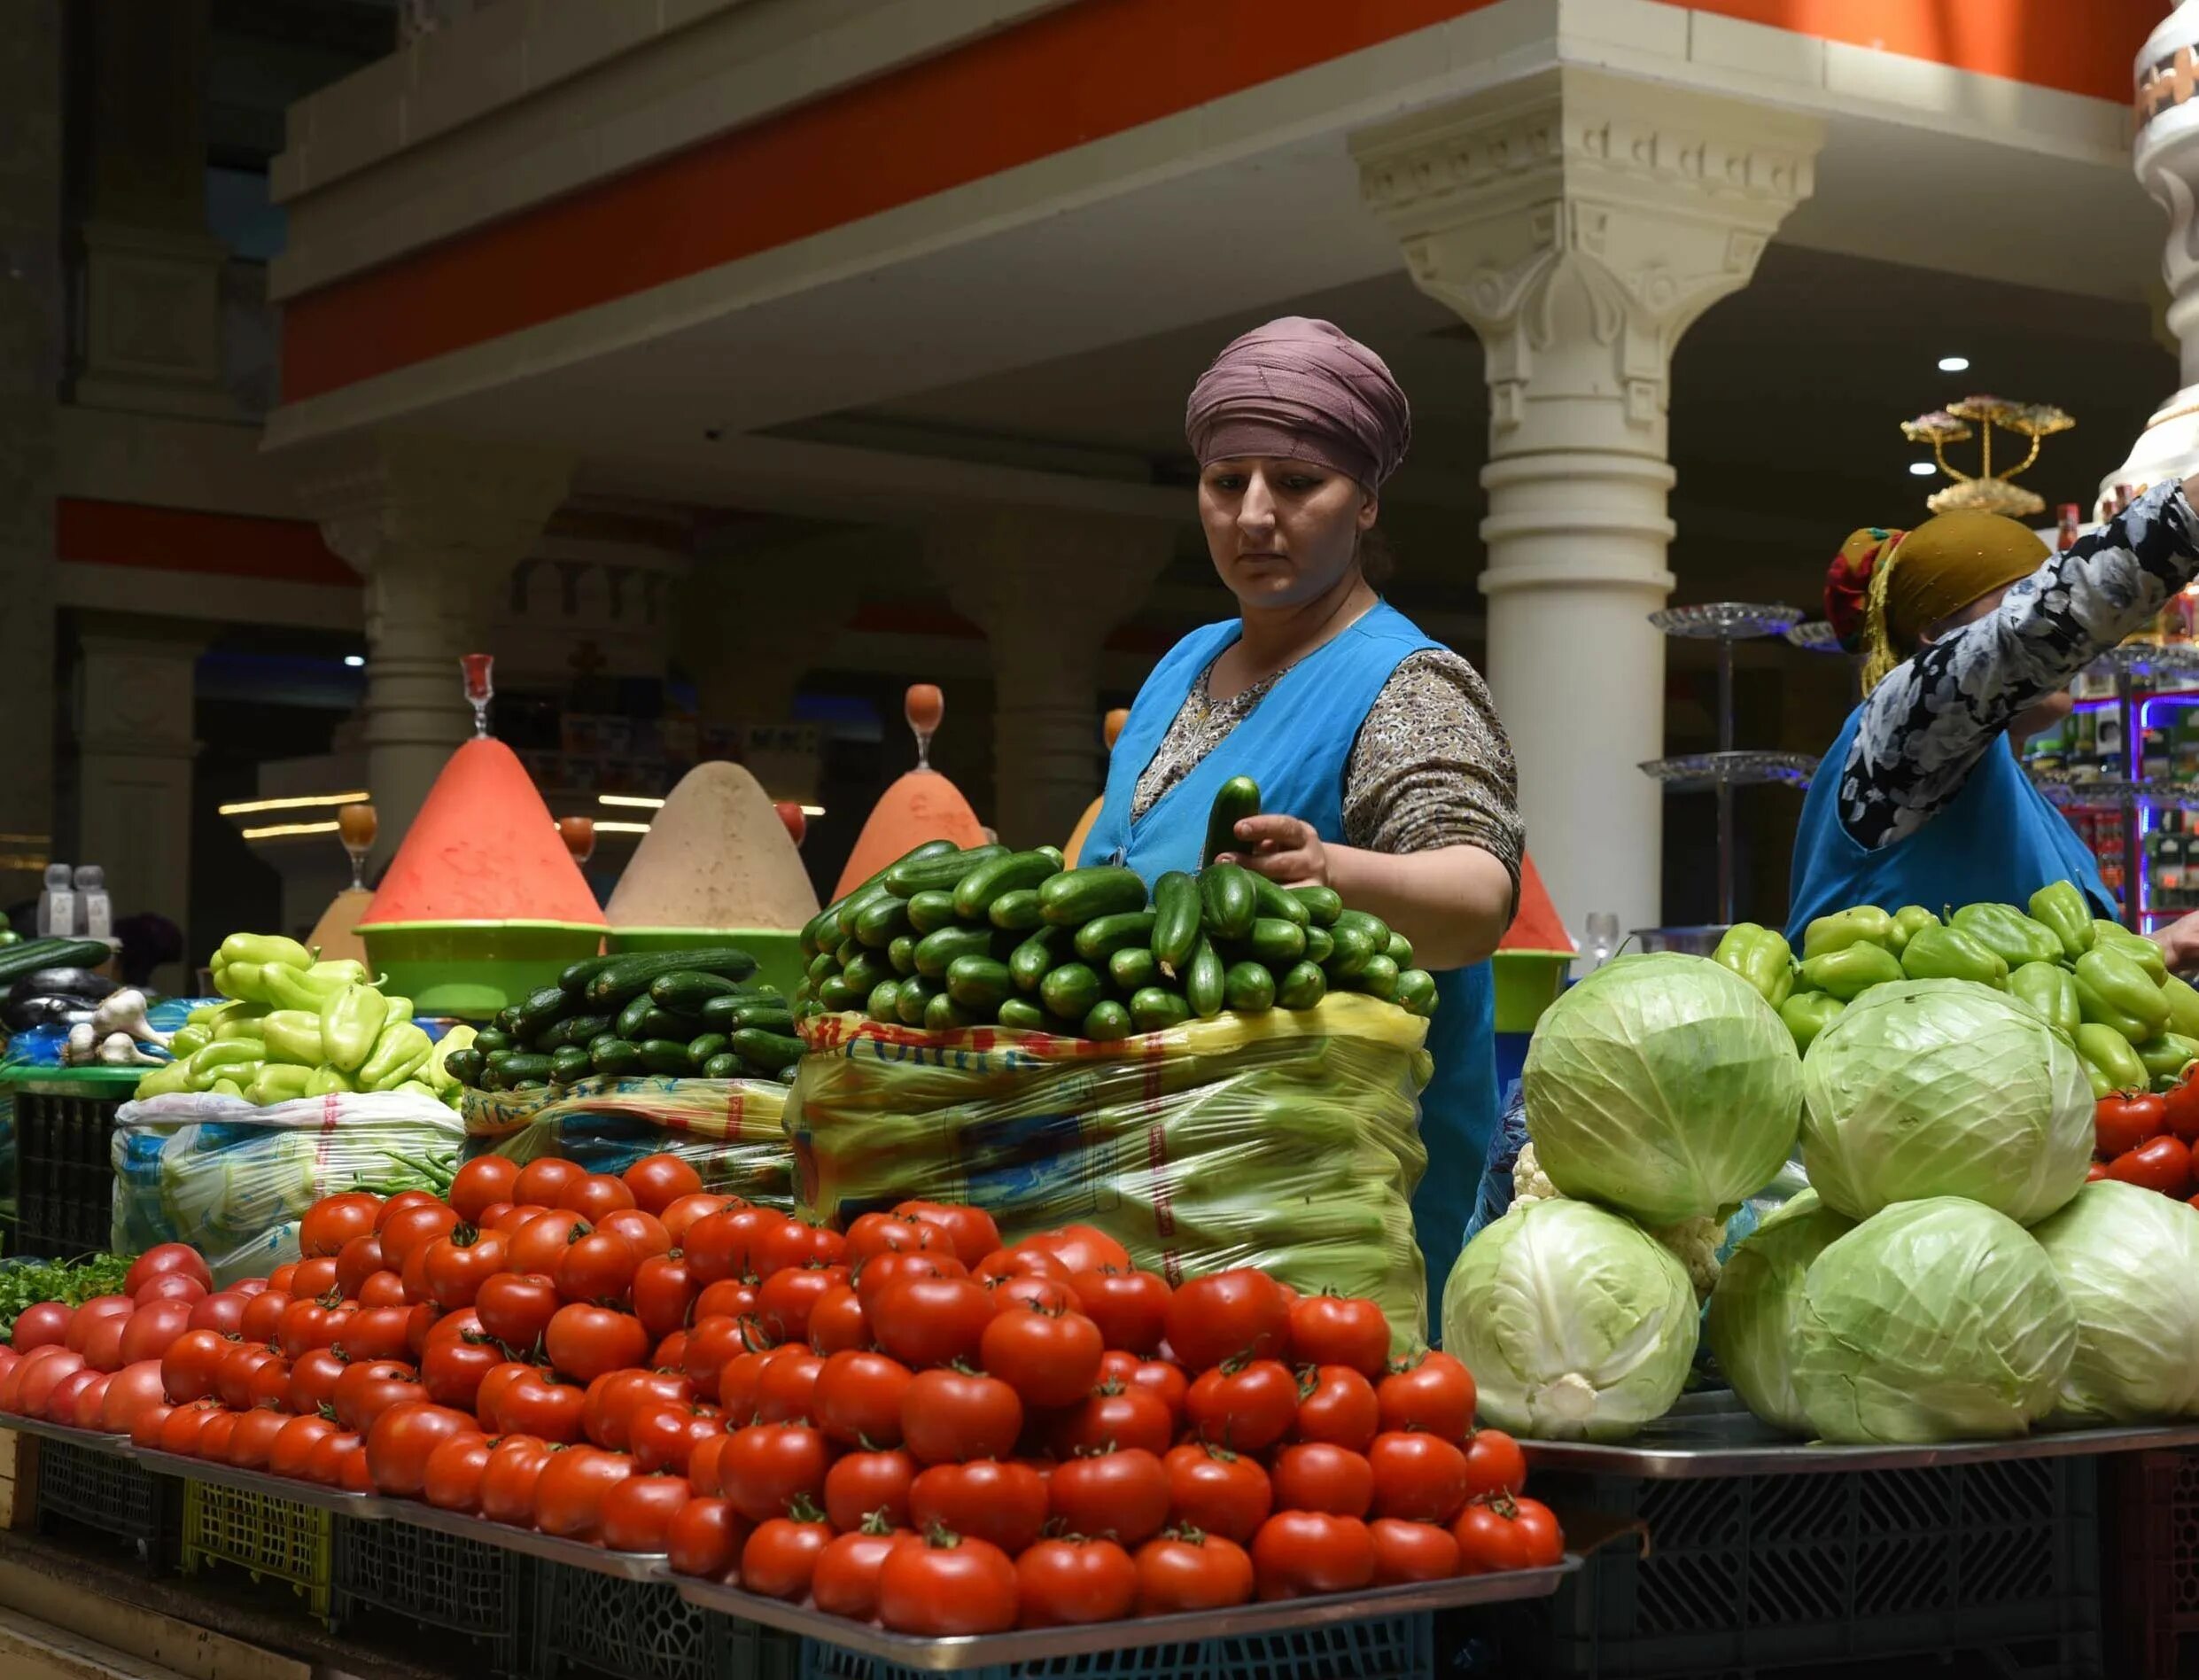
<point x="705" y="1538"/>
<point x="681" y="1216"/>
<point x="412" y="1230"/>
<point x="664" y="1437"/>
<point x="292" y="1455"/>
<point x="459" y="1262"/>
<point x="181" y="1430"/>
<point x="1494" y="1465"/>
<point x="1080" y="1248"/>
<point x="786" y="1385"/>
<point x="226" y="1311"/>
<point x="594" y="1195"/>
<point x="452" y="1481"/>
<point x="314" y="1278"/>
<point x="789" y="1297"/>
<point x="1314" y="1476"/>
<point x="1217" y="1492"/>
<point x="135" y="1391"/>
<point x="511" y="1217"/>
<point x="1300" y="1553"/>
<point x="728" y="1298"/>
<point x="845" y="1581"/>
<point x="191" y="1364"/>
<point x="1247" y="1408"/>
<point x="1340" y="1330"/>
<point x="656" y="1181"/>
<point x="44" y="1324"/>
<point x="2161" y="1163"/>
<point x="2182" y="1101"/>
<point x="170" y="1285"/>
<point x="933" y="1321"/>
<point x="60" y="1406"/>
<point x="780" y="1559"/>
<point x="365" y="1391"/>
<point x="863" y="1484"/>
<point x="714" y="1343"/>
<point x="1019" y="1262"/>
<point x="983" y="1499"/>
<point x="644" y="1233"/>
<point x="92" y="1314"/>
<point x="540" y="1244"/>
<point x="1507" y="1534"/>
<point x="671" y="1352"/>
<point x="1112" y="1416"/>
<point x="599" y="1267"/>
<point x="333" y="1221"/>
<point x="1124" y="1495"/>
<point x="858" y="1399"/>
<point x="334" y="1457"/>
<point x="1024" y="1290"/>
<point x="943" y="1585"/>
<point x="1338" y="1406"/>
<point x="569" y="1492"/>
<point x="2096" y="1171"/>
<point x="837" y="1324"/>
<point x="1417" y="1477"/>
<point x="1192" y="1572"/>
<point x="1130" y="1308"/>
<point x="585" y="1341"/>
<point x="787" y="1244"/>
<point x="1434" y="1393"/>
<point x="875" y="1234"/>
<point x="544" y="1181"/>
<point x="456" y="1357"/>
<point x="375" y="1332"/>
<point x="145" y="1432"/>
<point x="1408" y="1552"/>
<point x="949" y="1417"/>
<point x="638" y="1513"/>
<point x="1231" y="1315"/>
<point x="89" y="1406"/>
<point x="401" y="1200"/>
<point x="874" y="1277"/>
<point x="102" y="1345"/>
<point x="514" y="1473"/>
<point x="167" y="1259"/>
<point x="515" y="1308"/>
<point x="765" y="1467"/>
<point x="616" y="1398"/>
<point x="717" y="1244"/>
<point x="359" y="1259"/>
<point x="1062" y="1582"/>
<point x="254" y="1439"/>
<point x="2123" y="1121"/>
<point x="970" y="1231"/>
<point x="1049" y="1358"/>
<point x="480" y="1183"/>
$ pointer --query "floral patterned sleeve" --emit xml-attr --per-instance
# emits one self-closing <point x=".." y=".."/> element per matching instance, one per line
<point x="1927" y="726"/>
<point x="1432" y="767"/>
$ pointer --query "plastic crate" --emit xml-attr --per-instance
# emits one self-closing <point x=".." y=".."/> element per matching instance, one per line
<point x="2152" y="1557"/>
<point x="433" y="1579"/>
<point x="588" y="1625"/>
<point x="109" y="1496"/>
<point x="1383" y="1648"/>
<point x="64" y="1164"/>
<point x="269" y="1538"/>
<point x="1753" y="1573"/>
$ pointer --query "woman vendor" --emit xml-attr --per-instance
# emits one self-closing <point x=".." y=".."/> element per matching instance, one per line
<point x="1970" y="632"/>
<point x="1383" y="771"/>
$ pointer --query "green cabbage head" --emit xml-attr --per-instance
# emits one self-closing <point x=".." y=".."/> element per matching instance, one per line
<point x="1752" y="1318"/>
<point x="1576" y="1324"/>
<point x="1935" y="1320"/>
<point x="1662" y="1085"/>
<point x="2128" y="1259"/>
<point x="1945" y="1088"/>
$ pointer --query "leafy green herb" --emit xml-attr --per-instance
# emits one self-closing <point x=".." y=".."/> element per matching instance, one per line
<point x="72" y="1282"/>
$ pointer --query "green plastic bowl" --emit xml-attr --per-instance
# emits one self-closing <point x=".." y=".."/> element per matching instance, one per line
<point x="472" y="970"/>
<point x="777" y="953"/>
<point x="1528" y="982"/>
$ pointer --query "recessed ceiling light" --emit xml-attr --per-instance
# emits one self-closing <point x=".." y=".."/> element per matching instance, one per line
<point x="355" y="660"/>
<point x="1922" y="469"/>
<point x="1953" y="364"/>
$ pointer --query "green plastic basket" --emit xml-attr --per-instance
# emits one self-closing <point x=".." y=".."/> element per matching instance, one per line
<point x="1528" y="982"/>
<point x="777" y="953"/>
<point x="472" y="970"/>
<point x="267" y="1538"/>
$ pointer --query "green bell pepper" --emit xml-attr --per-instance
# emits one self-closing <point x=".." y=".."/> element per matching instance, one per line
<point x="2136" y="946"/>
<point x="2115" y="991"/>
<point x="401" y="1051"/>
<point x="244" y="981"/>
<point x="1808" y="1013"/>
<point x="2109" y="1051"/>
<point x="1760" y="957"/>
<point x="189" y="1040"/>
<point x="310" y="988"/>
<point x="395" y="1008"/>
<point x="2048" y="988"/>
<point x="437" y="1072"/>
<point x="228" y="1088"/>
<point x="277" y="1081"/>
<point x="2183" y="1002"/>
<point x="2008" y="933"/>
<point x="351" y="1020"/>
<point x="2061" y="908"/>
<point x="203" y="1077"/>
<point x="2167" y="1056"/>
<point x="1949" y="953"/>
<point x="1909" y="921"/>
<point x="1866" y="924"/>
<point x="172" y="1080"/>
<point x="240" y="1025"/>
<point x="293" y="1035"/>
<point x="1851" y="970"/>
<point x="265" y="948"/>
<point x="328" y="1082"/>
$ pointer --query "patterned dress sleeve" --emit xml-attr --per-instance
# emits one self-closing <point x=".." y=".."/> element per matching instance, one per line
<point x="1432" y="767"/>
<point x="1929" y="724"/>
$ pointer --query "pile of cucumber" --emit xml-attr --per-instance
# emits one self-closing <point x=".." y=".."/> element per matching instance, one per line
<point x="945" y="939"/>
<point x="685" y="1014"/>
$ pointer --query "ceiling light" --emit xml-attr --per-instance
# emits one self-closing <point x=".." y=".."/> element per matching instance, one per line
<point x="355" y="660"/>
<point x="622" y="828"/>
<point x="279" y="828"/>
<point x="1922" y="469"/>
<point x="812" y="811"/>
<point x="642" y="801"/>
<point x="358" y="796"/>
<point x="1954" y="364"/>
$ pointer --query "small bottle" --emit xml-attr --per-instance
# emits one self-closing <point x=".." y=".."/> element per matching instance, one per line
<point x="95" y="915"/>
<point x="57" y="905"/>
<point x="2067" y="534"/>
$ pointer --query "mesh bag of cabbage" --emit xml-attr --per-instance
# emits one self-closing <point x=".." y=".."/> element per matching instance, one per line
<point x="730" y="1131"/>
<point x="1288" y="1140"/>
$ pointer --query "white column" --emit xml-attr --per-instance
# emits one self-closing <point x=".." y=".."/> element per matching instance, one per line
<point x="434" y="525"/>
<point x="1047" y="588"/>
<point x="134" y="750"/>
<point x="1580" y="222"/>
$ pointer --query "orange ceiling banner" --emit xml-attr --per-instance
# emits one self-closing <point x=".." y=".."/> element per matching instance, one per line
<point x="126" y="533"/>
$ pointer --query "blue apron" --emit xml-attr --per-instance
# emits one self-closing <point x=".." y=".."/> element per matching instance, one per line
<point x="1996" y="842"/>
<point x="1296" y="744"/>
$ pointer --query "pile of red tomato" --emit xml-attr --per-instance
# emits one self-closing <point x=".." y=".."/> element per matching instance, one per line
<point x="913" y="1422"/>
<point x="2149" y="1138"/>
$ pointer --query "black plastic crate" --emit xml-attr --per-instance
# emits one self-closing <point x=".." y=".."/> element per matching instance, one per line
<point x="100" y="1494"/>
<point x="63" y="1162"/>
<point x="2152" y="1558"/>
<point x="596" y="1625"/>
<point x="1379" y="1648"/>
<point x="435" y="1581"/>
<point x="1753" y="1573"/>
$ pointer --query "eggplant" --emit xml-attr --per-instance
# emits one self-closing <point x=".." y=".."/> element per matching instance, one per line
<point x="44" y="1012"/>
<point x="61" y="983"/>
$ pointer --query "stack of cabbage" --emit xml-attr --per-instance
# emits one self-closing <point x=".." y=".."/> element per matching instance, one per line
<point x="1903" y="1299"/>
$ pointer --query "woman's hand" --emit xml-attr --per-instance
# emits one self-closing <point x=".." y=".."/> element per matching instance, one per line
<point x="2179" y="944"/>
<point x="1286" y="850"/>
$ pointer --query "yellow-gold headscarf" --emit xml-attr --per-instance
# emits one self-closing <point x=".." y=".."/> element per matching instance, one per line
<point x="1885" y="588"/>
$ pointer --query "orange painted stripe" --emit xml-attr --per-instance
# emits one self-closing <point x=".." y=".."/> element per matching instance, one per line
<point x="123" y="533"/>
<point x="1093" y="69"/>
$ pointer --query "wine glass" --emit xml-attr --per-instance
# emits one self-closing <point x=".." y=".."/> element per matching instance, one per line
<point x="355" y="828"/>
<point x="924" y="706"/>
<point x="480" y="688"/>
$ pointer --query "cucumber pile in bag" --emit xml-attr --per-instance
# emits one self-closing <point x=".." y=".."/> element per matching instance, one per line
<point x="1287" y="1141"/>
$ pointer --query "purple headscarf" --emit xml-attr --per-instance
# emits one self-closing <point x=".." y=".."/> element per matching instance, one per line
<point x="1303" y="390"/>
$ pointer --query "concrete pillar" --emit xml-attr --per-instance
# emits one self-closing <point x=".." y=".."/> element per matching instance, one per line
<point x="434" y="525"/>
<point x="1047" y="588"/>
<point x="754" y="619"/>
<point x="30" y="339"/>
<point x="1580" y="222"/>
<point x="135" y="750"/>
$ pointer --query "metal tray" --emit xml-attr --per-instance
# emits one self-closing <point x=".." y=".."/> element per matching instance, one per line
<point x="91" y="1440"/>
<point x="360" y="1506"/>
<point x="628" y="1565"/>
<point x="1037" y="1643"/>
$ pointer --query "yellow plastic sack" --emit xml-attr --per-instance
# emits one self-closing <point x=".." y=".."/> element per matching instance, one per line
<point x="730" y="1131"/>
<point x="1288" y="1140"/>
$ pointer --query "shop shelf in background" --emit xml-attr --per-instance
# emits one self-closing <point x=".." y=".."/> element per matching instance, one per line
<point x="588" y="1625"/>
<point x="2152" y="1559"/>
<point x="63" y="1167"/>
<point x="110" y="1496"/>
<point x="437" y="1581"/>
<point x="1761" y="1572"/>
<point x="269" y="1538"/>
<point x="1381" y="1648"/>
